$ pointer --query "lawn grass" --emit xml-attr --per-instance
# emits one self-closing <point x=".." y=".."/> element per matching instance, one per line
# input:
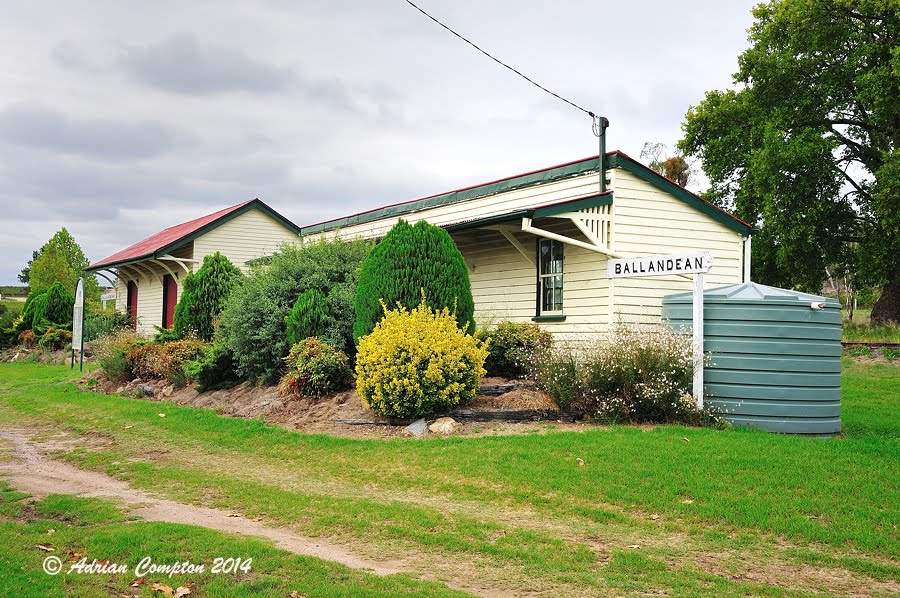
<point x="861" y="329"/>
<point x="520" y="509"/>
<point x="96" y="529"/>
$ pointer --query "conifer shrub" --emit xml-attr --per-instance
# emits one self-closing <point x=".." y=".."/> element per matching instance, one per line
<point x="513" y="348"/>
<point x="204" y="295"/>
<point x="417" y="362"/>
<point x="408" y="261"/>
<point x="315" y="368"/>
<point x="52" y="308"/>
<point x="309" y="317"/>
<point x="253" y="325"/>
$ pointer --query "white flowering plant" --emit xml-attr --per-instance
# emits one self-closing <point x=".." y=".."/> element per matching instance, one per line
<point x="637" y="374"/>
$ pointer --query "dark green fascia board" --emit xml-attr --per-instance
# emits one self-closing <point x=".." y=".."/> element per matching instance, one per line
<point x="617" y="160"/>
<point x="593" y="201"/>
<point x="255" y="204"/>
<point x="565" y="171"/>
<point x="509" y="216"/>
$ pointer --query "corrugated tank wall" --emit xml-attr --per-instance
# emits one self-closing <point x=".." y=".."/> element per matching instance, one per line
<point x="776" y="357"/>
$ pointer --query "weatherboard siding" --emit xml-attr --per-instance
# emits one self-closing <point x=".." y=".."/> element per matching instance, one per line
<point x="648" y="221"/>
<point x="504" y="284"/>
<point x="249" y="236"/>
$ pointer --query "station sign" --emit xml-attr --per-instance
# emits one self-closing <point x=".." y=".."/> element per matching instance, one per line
<point x="660" y="265"/>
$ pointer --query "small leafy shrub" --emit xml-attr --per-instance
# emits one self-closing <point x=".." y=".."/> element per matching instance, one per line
<point x="164" y="361"/>
<point x="315" y="368"/>
<point x="54" y="339"/>
<point x="27" y="338"/>
<point x="111" y="351"/>
<point x="309" y="317"/>
<point x="418" y="362"/>
<point x="513" y="347"/>
<point x="253" y="324"/>
<point x="9" y="312"/>
<point x="213" y="369"/>
<point x="409" y="261"/>
<point x="558" y="373"/>
<point x="105" y="322"/>
<point x="890" y="354"/>
<point x="165" y="335"/>
<point x="640" y="375"/>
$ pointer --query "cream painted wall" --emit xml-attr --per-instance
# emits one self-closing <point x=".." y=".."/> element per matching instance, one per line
<point x="647" y="221"/>
<point x="249" y="236"/>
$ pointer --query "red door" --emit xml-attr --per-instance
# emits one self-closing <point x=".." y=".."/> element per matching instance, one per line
<point x="132" y="303"/>
<point x="170" y="298"/>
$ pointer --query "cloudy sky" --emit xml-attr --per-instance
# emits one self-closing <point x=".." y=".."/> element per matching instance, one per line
<point x="119" y="118"/>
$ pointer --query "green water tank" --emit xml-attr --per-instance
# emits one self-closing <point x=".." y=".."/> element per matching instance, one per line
<point x="776" y="356"/>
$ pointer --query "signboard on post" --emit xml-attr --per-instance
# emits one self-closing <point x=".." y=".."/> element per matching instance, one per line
<point x="78" y="325"/>
<point x="666" y="265"/>
<point x="660" y="265"/>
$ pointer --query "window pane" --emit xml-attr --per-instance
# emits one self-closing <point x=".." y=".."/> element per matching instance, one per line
<point x="545" y="250"/>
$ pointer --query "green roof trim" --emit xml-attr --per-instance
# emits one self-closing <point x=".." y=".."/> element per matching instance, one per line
<point x="479" y="222"/>
<point x="549" y="175"/>
<point x="558" y="173"/>
<point x="594" y="201"/>
<point x="256" y="204"/>
<point x="619" y="160"/>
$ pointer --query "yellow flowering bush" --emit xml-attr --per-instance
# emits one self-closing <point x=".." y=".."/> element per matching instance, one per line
<point x="418" y="362"/>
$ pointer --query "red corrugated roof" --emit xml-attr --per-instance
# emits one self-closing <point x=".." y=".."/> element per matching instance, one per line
<point x="162" y="239"/>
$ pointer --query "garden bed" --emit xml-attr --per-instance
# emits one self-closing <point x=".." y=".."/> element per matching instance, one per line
<point x="505" y="406"/>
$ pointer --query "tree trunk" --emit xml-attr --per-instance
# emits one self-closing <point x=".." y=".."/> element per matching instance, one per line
<point x="887" y="308"/>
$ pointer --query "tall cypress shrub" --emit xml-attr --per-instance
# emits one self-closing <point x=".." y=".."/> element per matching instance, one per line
<point x="411" y="260"/>
<point x="203" y="296"/>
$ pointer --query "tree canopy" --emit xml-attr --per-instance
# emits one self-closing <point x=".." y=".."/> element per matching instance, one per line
<point x="60" y="260"/>
<point x="806" y="147"/>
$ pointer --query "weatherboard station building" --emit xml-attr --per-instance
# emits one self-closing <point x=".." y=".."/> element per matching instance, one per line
<point x="537" y="245"/>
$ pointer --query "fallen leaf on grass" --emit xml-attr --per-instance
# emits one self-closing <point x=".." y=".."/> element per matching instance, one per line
<point x="182" y="591"/>
<point x="686" y="439"/>
<point x="257" y="519"/>
<point x="51" y="531"/>
<point x="165" y="590"/>
<point x="687" y="501"/>
<point x="129" y="427"/>
<point x="580" y="461"/>
<point x="46" y="548"/>
<point x="73" y="556"/>
<point x="161" y="414"/>
<point x="654" y="516"/>
<point x="234" y="515"/>
<point x="138" y="582"/>
<point x="634" y="546"/>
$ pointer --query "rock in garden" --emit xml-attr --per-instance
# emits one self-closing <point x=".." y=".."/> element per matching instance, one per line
<point x="418" y="428"/>
<point x="146" y="390"/>
<point x="167" y="390"/>
<point x="444" y="425"/>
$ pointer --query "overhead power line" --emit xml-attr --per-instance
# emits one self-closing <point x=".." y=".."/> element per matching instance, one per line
<point x="503" y="64"/>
